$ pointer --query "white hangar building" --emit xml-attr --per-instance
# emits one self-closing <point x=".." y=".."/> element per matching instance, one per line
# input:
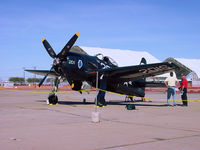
<point x="122" y="57"/>
<point x="190" y="67"/>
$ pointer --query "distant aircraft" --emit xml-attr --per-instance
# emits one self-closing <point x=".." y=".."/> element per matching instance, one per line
<point x="79" y="68"/>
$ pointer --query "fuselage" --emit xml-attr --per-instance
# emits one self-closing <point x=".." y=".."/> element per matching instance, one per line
<point x="79" y="67"/>
<point x="82" y="67"/>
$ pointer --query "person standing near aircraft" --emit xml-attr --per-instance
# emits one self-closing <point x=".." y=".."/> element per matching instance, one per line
<point x="171" y="83"/>
<point x="183" y="89"/>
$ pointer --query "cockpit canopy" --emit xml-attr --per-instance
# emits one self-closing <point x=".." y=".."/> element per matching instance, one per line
<point x="107" y="59"/>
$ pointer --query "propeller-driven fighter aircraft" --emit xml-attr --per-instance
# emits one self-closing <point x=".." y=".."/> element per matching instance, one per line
<point x="79" y="68"/>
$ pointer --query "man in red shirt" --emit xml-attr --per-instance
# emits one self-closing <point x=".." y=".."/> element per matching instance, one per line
<point x="183" y="89"/>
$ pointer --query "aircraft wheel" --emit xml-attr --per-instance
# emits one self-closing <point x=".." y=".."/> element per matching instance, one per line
<point x="53" y="99"/>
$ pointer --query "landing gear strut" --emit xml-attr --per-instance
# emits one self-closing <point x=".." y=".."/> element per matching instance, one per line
<point x="101" y="95"/>
<point x="53" y="98"/>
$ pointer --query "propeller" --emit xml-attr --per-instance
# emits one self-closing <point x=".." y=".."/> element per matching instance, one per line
<point x="49" y="48"/>
<point x="68" y="46"/>
<point x="41" y="82"/>
<point x="60" y="56"/>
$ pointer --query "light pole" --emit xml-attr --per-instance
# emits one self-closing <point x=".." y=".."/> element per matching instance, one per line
<point x="24" y="76"/>
<point x="34" y="67"/>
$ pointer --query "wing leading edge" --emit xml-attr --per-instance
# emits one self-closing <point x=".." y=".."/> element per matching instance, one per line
<point x="43" y="72"/>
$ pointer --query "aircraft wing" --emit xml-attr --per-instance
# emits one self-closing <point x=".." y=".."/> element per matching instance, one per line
<point x="155" y="84"/>
<point x="43" y="72"/>
<point x="130" y="73"/>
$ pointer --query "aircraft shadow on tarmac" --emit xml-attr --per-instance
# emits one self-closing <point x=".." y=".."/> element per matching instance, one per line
<point x="123" y="103"/>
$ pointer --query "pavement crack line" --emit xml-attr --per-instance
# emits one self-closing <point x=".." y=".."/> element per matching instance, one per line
<point x="150" y="125"/>
<point x="146" y="142"/>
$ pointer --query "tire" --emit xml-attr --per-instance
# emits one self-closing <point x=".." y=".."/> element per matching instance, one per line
<point x="53" y="99"/>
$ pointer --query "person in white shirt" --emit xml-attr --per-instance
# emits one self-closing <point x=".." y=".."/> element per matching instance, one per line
<point x="171" y="83"/>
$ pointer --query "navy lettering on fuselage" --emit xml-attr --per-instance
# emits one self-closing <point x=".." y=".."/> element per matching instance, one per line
<point x="104" y="66"/>
<point x="154" y="69"/>
<point x="71" y="62"/>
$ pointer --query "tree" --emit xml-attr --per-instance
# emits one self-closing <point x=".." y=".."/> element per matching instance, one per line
<point x="16" y="80"/>
<point x="50" y="80"/>
<point x="33" y="80"/>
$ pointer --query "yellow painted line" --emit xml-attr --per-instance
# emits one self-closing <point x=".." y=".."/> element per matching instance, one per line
<point x="196" y="100"/>
<point x="158" y="99"/>
<point x="40" y="92"/>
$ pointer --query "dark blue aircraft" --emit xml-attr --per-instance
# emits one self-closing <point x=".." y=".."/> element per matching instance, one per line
<point x="78" y="68"/>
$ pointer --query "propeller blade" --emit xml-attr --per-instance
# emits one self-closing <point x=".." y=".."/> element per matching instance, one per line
<point x="48" y="48"/>
<point x="68" y="46"/>
<point x="41" y="82"/>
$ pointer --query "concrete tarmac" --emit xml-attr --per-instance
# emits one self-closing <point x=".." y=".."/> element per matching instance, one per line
<point x="28" y="123"/>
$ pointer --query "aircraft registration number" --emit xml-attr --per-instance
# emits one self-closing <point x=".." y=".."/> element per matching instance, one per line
<point x="71" y="62"/>
<point x="155" y="69"/>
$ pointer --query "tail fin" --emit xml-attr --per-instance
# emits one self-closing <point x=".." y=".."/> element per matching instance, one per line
<point x="141" y="83"/>
<point x="136" y="87"/>
<point x="143" y="61"/>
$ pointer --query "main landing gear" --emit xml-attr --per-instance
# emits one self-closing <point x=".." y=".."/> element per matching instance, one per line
<point x="53" y="98"/>
<point x="101" y="95"/>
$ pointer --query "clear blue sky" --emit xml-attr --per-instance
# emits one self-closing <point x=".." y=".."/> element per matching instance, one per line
<point x="164" y="28"/>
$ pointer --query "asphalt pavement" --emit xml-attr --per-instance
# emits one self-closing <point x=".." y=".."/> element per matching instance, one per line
<point x="28" y="123"/>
